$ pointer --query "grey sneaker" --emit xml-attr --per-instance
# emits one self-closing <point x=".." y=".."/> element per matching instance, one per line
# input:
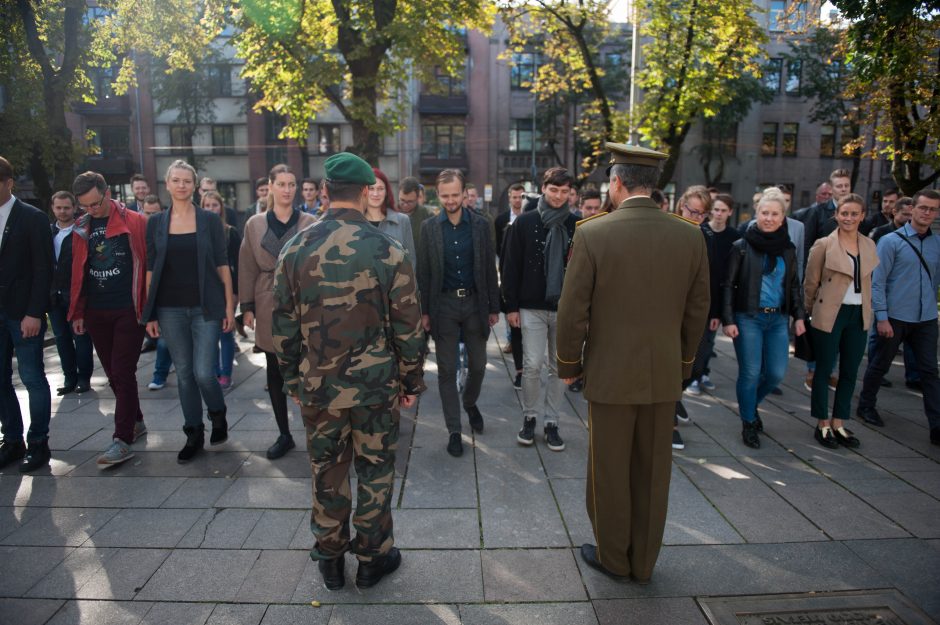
<point x="140" y="428"/>
<point x="118" y="452"/>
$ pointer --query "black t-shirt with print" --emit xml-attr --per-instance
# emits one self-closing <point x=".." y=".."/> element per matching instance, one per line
<point x="110" y="278"/>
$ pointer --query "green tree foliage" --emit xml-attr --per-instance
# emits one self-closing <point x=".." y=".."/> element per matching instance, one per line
<point x="354" y="54"/>
<point x="570" y="36"/>
<point x="694" y="50"/>
<point x="893" y="52"/>
<point x="42" y="74"/>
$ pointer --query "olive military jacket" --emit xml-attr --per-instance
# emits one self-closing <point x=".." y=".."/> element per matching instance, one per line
<point x="634" y="305"/>
<point x="347" y="322"/>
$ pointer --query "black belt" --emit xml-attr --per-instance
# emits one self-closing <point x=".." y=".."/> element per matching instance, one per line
<point x="459" y="292"/>
<point x="768" y="310"/>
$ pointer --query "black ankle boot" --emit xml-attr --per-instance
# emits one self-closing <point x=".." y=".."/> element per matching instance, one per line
<point x="37" y="456"/>
<point x="283" y="444"/>
<point x="219" y="427"/>
<point x="195" y="440"/>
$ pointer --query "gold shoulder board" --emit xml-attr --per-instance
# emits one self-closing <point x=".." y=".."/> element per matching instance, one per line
<point x="685" y="219"/>
<point x="584" y="221"/>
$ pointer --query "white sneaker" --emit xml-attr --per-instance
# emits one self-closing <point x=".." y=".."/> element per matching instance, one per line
<point x="693" y="388"/>
<point x="156" y="386"/>
<point x="705" y="383"/>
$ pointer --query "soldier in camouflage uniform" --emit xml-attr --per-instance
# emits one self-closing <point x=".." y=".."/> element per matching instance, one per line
<point x="348" y="339"/>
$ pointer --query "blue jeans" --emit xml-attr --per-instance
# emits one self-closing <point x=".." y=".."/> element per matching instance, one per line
<point x="161" y="366"/>
<point x="762" y="348"/>
<point x="226" y="354"/>
<point x="193" y="342"/>
<point x="75" y="350"/>
<point x="33" y="375"/>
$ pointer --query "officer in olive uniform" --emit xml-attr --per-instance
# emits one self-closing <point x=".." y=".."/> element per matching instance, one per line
<point x="347" y="332"/>
<point x="631" y="314"/>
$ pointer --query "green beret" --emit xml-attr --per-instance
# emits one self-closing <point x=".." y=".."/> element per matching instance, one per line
<point x="347" y="167"/>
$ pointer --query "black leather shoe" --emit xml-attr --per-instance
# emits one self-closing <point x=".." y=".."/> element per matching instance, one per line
<point x="845" y="437"/>
<point x="195" y="441"/>
<point x="283" y="444"/>
<point x="476" y="419"/>
<point x="219" y="427"/>
<point x="825" y="438"/>
<point x="870" y="416"/>
<point x="37" y="456"/>
<point x="68" y="388"/>
<point x="455" y="445"/>
<point x="589" y="555"/>
<point x="11" y="451"/>
<point x="371" y="573"/>
<point x="83" y="387"/>
<point x="749" y="435"/>
<point x="886" y="383"/>
<point x="150" y="345"/>
<point x="333" y="572"/>
<point x="915" y="385"/>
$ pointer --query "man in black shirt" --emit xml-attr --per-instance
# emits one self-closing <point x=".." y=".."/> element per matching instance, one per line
<point x="535" y="253"/>
<point x="884" y="216"/>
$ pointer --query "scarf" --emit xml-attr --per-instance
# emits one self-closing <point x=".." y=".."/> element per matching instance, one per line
<point x="556" y="248"/>
<point x="770" y="244"/>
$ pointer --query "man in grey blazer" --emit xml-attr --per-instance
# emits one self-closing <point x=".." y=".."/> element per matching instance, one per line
<point x="459" y="289"/>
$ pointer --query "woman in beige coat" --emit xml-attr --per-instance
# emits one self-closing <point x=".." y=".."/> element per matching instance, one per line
<point x="265" y="235"/>
<point x="837" y="295"/>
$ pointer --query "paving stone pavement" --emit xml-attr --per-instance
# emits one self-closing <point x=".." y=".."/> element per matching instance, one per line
<point x="490" y="538"/>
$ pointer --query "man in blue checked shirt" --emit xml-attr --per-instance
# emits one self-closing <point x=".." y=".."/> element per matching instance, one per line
<point x="904" y="300"/>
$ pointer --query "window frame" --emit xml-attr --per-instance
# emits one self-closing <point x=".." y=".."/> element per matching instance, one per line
<point x="765" y="134"/>
<point x="790" y="131"/>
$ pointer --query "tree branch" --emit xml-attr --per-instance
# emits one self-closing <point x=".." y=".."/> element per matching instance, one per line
<point x="33" y="43"/>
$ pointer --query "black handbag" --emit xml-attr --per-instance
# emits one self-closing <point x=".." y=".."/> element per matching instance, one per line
<point x="803" y="346"/>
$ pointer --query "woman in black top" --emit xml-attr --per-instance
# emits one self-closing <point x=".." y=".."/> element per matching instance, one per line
<point x="189" y="301"/>
<point x="212" y="202"/>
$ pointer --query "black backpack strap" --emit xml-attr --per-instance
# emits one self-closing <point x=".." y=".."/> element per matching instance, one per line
<point x="916" y="251"/>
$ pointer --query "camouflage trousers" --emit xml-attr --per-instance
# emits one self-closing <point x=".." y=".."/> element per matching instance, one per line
<point x="367" y="436"/>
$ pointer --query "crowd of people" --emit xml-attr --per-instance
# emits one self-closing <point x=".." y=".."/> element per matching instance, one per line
<point x="345" y="285"/>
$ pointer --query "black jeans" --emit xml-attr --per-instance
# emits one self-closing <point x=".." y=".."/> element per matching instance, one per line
<point x="922" y="338"/>
<point x="458" y="314"/>
<point x="276" y="392"/>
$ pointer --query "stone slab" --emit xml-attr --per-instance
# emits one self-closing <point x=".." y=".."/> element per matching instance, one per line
<point x="144" y="527"/>
<point x="177" y="614"/>
<point x="437" y="480"/>
<point x="87" y="492"/>
<point x="198" y="492"/>
<point x="221" y="528"/>
<point x="297" y="615"/>
<point x="101" y="613"/>
<point x="273" y="577"/>
<point x="199" y="575"/>
<point x="61" y="526"/>
<point x="525" y="575"/>
<point x="527" y="614"/>
<point x="28" y="611"/>
<point x="274" y="492"/>
<point x="862" y="607"/>
<point x="22" y="567"/>
<point x="655" y="610"/>
<point x="911" y="565"/>
<point x="437" y="529"/>
<point x="237" y="614"/>
<point x="276" y="528"/>
<point x="435" y="614"/>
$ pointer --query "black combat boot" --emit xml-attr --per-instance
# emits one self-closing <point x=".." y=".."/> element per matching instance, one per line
<point x="219" y="426"/>
<point x="195" y="440"/>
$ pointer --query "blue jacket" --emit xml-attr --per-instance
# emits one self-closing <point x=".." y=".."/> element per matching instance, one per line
<point x="900" y="287"/>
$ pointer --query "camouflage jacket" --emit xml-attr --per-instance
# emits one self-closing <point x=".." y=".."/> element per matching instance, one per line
<point x="347" y="321"/>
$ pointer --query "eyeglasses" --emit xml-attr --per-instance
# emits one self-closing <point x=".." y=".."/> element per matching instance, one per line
<point x="89" y="207"/>
<point x="928" y="209"/>
<point x="407" y="202"/>
<point x="686" y="208"/>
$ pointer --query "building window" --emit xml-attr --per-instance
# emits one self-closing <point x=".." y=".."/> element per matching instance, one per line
<point x="827" y="141"/>
<point x="111" y="141"/>
<point x="223" y="139"/>
<point x="772" y="75"/>
<point x="229" y="194"/>
<point x="219" y="78"/>
<point x="101" y="79"/>
<point x="446" y="85"/>
<point x="786" y="15"/>
<point x="328" y="139"/>
<point x="790" y="139"/>
<point x="729" y="142"/>
<point x="180" y="139"/>
<point x="794" y="77"/>
<point x="524" y="67"/>
<point x="768" y="145"/>
<point x="778" y="15"/>
<point x="275" y="147"/>
<point x="520" y="134"/>
<point x="443" y="139"/>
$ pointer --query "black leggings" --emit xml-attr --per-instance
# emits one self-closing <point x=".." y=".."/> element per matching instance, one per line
<point x="276" y="393"/>
<point x="515" y="340"/>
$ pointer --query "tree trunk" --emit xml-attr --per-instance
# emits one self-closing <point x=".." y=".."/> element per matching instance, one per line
<point x="674" y="141"/>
